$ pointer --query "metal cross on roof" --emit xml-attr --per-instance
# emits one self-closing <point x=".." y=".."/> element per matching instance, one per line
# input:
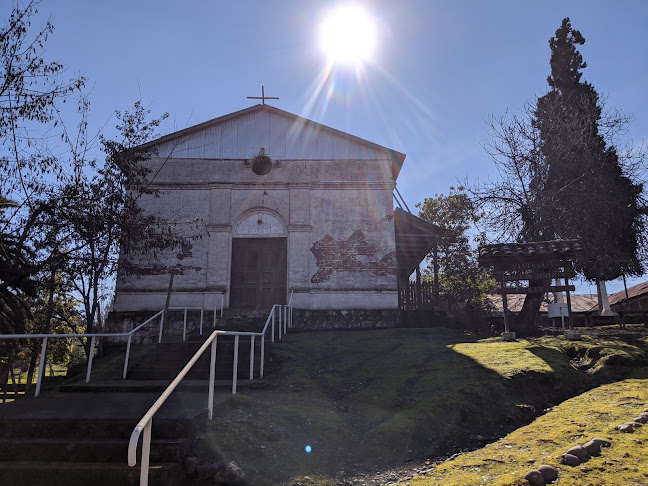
<point x="263" y="97"/>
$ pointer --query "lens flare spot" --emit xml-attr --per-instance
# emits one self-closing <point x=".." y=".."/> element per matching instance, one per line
<point x="348" y="35"/>
<point x="308" y="449"/>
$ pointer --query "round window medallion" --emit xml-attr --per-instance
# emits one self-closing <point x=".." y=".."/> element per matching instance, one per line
<point x="261" y="165"/>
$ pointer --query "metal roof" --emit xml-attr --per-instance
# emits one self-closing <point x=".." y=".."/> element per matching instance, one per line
<point x="415" y="237"/>
<point x="397" y="157"/>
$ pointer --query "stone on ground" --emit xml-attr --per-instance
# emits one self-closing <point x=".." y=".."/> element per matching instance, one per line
<point x="549" y="473"/>
<point x="535" y="478"/>
<point x="569" y="460"/>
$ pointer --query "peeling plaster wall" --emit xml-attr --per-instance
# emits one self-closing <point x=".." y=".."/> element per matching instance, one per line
<point x="338" y="221"/>
<point x="337" y="216"/>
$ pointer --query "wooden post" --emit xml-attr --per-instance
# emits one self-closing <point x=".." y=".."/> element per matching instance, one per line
<point x="569" y="321"/>
<point x="505" y="308"/>
<point x="418" y="287"/>
<point x="435" y="259"/>
<point x="571" y="334"/>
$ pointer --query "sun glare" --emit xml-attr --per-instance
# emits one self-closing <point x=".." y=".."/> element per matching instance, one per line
<point x="348" y="35"/>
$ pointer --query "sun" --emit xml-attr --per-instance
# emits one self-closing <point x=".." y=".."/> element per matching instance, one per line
<point x="348" y="35"/>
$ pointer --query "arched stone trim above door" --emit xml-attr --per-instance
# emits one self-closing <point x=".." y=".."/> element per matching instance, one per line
<point x="260" y="223"/>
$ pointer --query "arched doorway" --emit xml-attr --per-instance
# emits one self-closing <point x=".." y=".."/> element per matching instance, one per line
<point x="259" y="261"/>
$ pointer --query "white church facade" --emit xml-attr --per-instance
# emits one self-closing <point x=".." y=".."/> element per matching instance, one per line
<point x="273" y="204"/>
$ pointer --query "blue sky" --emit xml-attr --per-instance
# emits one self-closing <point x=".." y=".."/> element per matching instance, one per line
<point x="440" y="69"/>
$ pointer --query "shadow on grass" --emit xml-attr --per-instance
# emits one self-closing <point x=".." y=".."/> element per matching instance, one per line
<point x="376" y="399"/>
<point x="557" y="360"/>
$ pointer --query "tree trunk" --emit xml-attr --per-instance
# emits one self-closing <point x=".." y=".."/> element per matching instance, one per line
<point x="13" y="380"/>
<point x="168" y="299"/>
<point x="525" y="324"/>
<point x="4" y="377"/>
<point x="30" y="370"/>
<point x="99" y="341"/>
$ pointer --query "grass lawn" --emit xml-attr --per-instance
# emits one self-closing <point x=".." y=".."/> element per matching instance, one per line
<point x="371" y="400"/>
<point x="107" y="367"/>
<point x="21" y="378"/>
<point x="575" y="421"/>
<point x="54" y="370"/>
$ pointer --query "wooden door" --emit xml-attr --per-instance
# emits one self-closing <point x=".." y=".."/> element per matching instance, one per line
<point x="258" y="273"/>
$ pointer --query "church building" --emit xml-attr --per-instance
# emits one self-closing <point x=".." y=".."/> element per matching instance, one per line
<point x="273" y="204"/>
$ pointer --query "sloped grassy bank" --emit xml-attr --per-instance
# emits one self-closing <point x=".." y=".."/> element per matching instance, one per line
<point x="372" y="400"/>
<point x="592" y="414"/>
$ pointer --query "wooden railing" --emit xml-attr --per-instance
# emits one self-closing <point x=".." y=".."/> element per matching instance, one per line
<point x="413" y="296"/>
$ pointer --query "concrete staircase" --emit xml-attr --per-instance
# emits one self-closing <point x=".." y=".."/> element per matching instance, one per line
<point x="243" y="320"/>
<point x="56" y="449"/>
<point x="63" y="438"/>
<point x="165" y="360"/>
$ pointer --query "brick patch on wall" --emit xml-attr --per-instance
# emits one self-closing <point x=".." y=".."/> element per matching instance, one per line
<point x="341" y="256"/>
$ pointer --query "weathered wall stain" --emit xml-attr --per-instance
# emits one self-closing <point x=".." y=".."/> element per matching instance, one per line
<point x="186" y="251"/>
<point x="341" y="256"/>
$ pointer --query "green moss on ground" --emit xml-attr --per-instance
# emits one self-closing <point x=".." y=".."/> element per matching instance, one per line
<point x="605" y="354"/>
<point x="367" y="401"/>
<point x="575" y="421"/>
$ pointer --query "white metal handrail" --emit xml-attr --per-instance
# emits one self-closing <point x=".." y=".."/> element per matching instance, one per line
<point x="184" y="328"/>
<point x="286" y="320"/>
<point x="46" y="337"/>
<point x="93" y="336"/>
<point x="222" y="305"/>
<point x="145" y="424"/>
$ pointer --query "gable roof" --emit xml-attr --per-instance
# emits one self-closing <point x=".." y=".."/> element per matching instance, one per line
<point x="503" y="254"/>
<point x="296" y="122"/>
<point x="633" y="292"/>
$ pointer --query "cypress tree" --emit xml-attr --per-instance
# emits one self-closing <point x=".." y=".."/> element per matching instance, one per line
<point x="584" y="190"/>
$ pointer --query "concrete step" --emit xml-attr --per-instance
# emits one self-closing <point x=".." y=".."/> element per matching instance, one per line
<point x="164" y="361"/>
<point x="183" y="352"/>
<point x="84" y="473"/>
<point x="60" y="440"/>
<point x="153" y="374"/>
<point x="150" y="386"/>
<point x="201" y="366"/>
<point x="87" y="450"/>
<point x="181" y="359"/>
<point x="99" y="429"/>
<point x="196" y="340"/>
